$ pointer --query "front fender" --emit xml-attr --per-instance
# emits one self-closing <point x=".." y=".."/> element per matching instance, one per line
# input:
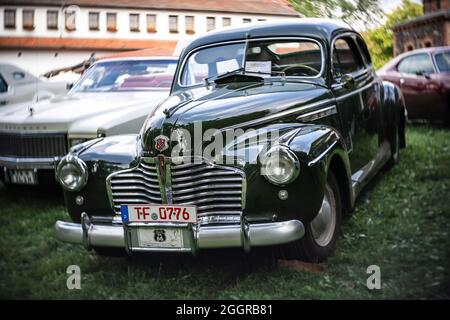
<point x="102" y="157"/>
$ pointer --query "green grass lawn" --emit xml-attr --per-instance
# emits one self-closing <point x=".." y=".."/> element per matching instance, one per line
<point x="401" y="223"/>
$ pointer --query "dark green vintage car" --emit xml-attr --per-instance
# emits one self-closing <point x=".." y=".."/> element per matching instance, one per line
<point x="269" y="134"/>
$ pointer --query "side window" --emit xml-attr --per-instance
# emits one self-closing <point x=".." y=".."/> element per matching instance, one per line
<point x="346" y="57"/>
<point x="3" y="85"/>
<point x="364" y="51"/>
<point x="416" y="64"/>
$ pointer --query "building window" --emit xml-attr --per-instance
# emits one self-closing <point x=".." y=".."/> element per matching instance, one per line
<point x="173" y="24"/>
<point x="10" y="19"/>
<point x="52" y="19"/>
<point x="210" y="23"/>
<point x="134" y="22"/>
<point x="247" y="20"/>
<point x="189" y="24"/>
<point x="262" y="20"/>
<point x="428" y="44"/>
<point x="111" y="22"/>
<point x="226" y="22"/>
<point x="94" y="21"/>
<point x="151" y="23"/>
<point x="71" y="19"/>
<point x="28" y="19"/>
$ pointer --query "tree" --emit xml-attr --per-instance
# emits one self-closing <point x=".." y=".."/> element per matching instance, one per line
<point x="350" y="11"/>
<point x="380" y="40"/>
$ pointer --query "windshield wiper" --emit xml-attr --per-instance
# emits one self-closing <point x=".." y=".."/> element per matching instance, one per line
<point x="222" y="75"/>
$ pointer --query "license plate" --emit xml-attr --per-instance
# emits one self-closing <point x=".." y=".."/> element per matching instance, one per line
<point x="159" y="213"/>
<point x="23" y="177"/>
<point x="160" y="237"/>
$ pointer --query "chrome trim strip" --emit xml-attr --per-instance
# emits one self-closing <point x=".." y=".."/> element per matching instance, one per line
<point x="356" y="91"/>
<point x="318" y="114"/>
<point x="280" y="114"/>
<point x="322" y="55"/>
<point x="253" y="235"/>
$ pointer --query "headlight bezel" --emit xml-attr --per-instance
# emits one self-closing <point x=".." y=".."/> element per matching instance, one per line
<point x="288" y="154"/>
<point x="80" y="165"/>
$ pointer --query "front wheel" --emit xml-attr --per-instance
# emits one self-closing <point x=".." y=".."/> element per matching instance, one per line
<point x="322" y="232"/>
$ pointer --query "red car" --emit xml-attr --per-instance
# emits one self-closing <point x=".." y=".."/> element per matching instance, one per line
<point x="424" y="78"/>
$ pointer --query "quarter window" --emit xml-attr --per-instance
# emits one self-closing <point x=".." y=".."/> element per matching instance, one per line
<point x="443" y="61"/>
<point x="346" y="58"/>
<point x="52" y="19"/>
<point x="246" y="20"/>
<point x="93" y="21"/>
<point x="28" y="19"/>
<point x="416" y="64"/>
<point x="10" y="18"/>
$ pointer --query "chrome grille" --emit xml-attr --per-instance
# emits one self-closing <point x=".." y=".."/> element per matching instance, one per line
<point x="139" y="185"/>
<point x="27" y="145"/>
<point x="217" y="191"/>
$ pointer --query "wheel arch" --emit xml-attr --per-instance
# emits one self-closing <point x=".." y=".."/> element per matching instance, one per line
<point x="341" y="171"/>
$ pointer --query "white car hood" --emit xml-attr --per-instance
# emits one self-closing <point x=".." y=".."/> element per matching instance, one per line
<point x="81" y="113"/>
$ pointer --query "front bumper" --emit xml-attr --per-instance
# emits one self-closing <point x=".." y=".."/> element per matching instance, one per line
<point x="28" y="163"/>
<point x="204" y="237"/>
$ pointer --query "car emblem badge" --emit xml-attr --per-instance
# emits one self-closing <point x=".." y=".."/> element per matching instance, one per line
<point x="161" y="143"/>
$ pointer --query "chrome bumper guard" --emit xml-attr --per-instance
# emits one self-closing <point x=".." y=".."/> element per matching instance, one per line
<point x="204" y="237"/>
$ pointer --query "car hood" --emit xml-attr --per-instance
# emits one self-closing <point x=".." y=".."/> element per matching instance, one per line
<point x="88" y="111"/>
<point x="230" y="106"/>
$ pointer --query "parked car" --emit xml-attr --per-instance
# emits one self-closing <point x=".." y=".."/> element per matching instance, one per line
<point x="18" y="85"/>
<point x="114" y="96"/>
<point x="423" y="75"/>
<point x="310" y="124"/>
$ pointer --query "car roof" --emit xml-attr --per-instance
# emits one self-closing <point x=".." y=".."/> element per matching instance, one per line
<point x="303" y="27"/>
<point x="137" y="59"/>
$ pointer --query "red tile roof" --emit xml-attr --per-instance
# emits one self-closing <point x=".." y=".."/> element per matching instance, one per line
<point x="158" y="47"/>
<point x="268" y="7"/>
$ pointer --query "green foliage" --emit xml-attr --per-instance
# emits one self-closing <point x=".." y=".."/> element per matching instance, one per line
<point x="401" y="223"/>
<point x="380" y="40"/>
<point x="347" y="10"/>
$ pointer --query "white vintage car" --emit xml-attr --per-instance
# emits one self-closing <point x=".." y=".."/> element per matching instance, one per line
<point x="114" y="96"/>
<point x="18" y="86"/>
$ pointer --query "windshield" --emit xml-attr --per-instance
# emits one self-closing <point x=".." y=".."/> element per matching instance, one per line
<point x="129" y="75"/>
<point x="443" y="61"/>
<point x="295" y="58"/>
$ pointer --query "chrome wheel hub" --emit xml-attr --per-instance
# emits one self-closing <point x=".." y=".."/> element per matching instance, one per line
<point x="324" y="223"/>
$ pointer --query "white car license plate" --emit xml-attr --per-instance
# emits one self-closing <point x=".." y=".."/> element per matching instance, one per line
<point x="159" y="213"/>
<point x="23" y="177"/>
<point x="160" y="237"/>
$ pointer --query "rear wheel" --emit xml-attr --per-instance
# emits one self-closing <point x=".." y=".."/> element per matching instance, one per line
<point x="322" y="232"/>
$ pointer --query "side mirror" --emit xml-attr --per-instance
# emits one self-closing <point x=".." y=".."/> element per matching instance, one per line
<point x="69" y="86"/>
<point x="347" y="81"/>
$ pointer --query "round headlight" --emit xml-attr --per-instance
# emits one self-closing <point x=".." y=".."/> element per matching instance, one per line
<point x="72" y="173"/>
<point x="280" y="165"/>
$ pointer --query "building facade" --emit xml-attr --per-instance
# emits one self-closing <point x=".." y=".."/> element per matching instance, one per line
<point x="430" y="30"/>
<point x="40" y="35"/>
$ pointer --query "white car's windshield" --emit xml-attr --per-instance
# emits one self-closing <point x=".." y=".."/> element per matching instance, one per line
<point x="297" y="58"/>
<point x="128" y="75"/>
